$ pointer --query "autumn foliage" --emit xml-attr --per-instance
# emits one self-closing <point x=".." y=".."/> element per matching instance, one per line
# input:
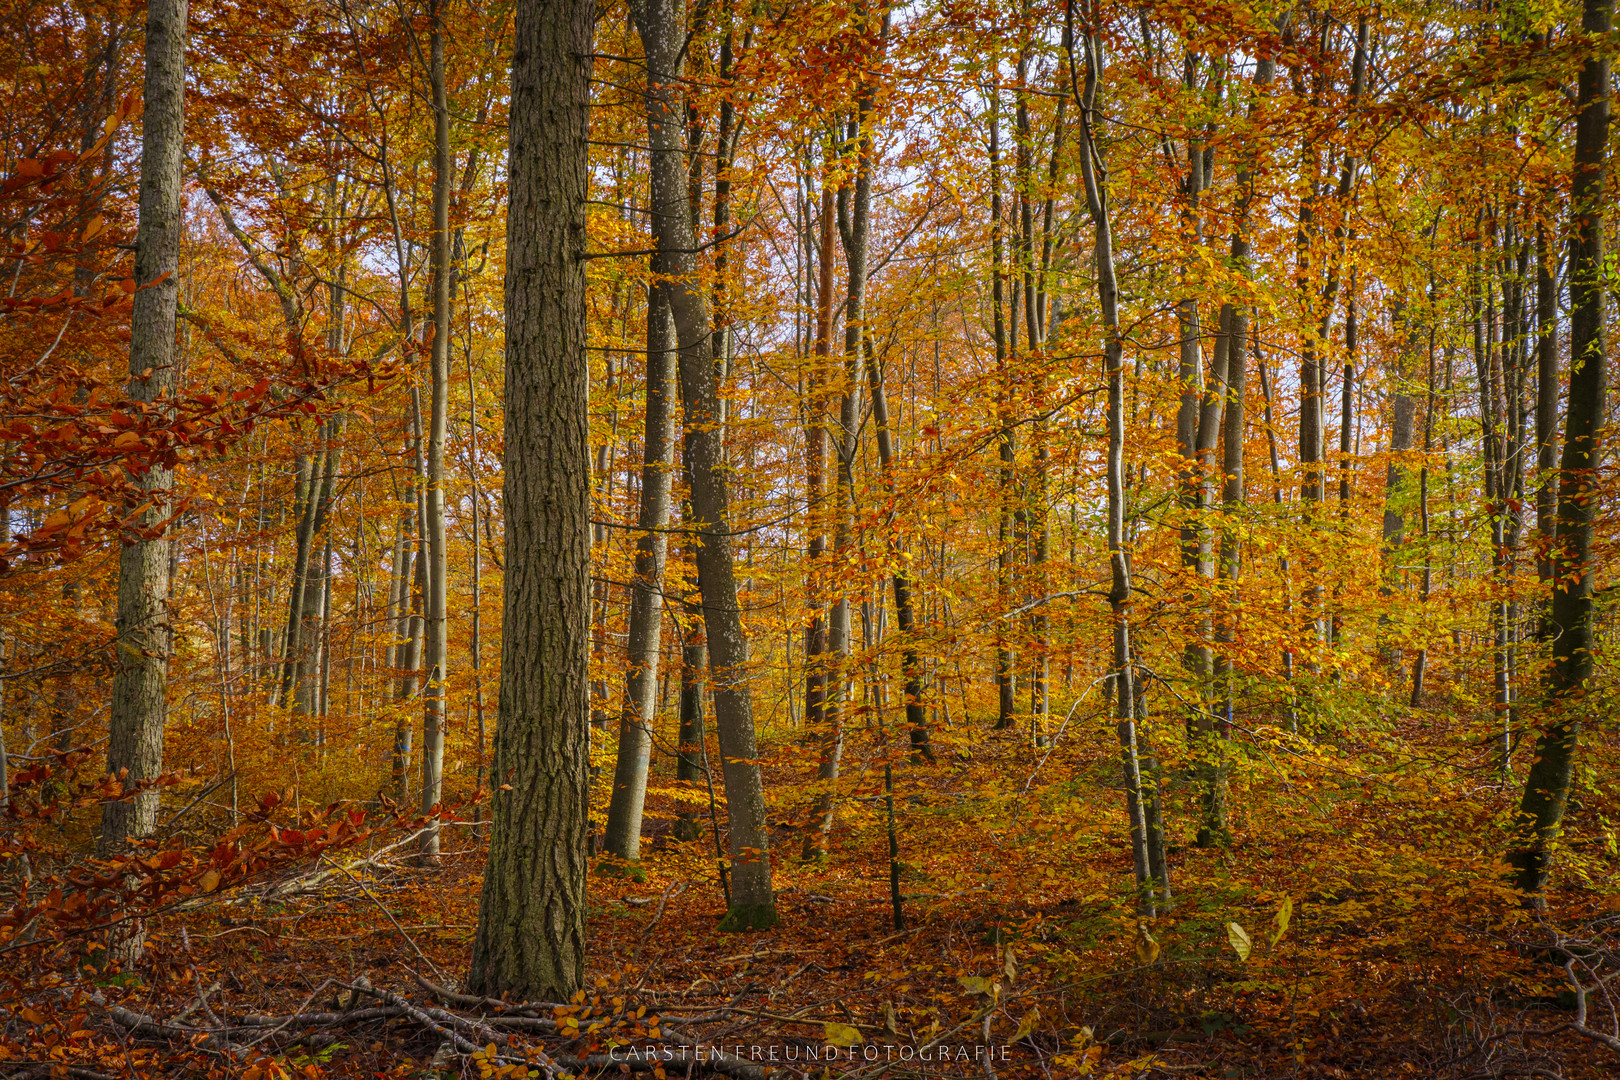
<point x="1310" y="454"/>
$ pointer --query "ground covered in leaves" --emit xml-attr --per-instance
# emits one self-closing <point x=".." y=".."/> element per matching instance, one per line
<point x="1356" y="927"/>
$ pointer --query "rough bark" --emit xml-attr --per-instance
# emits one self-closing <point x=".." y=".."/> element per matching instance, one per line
<point x="140" y="674"/>
<point x="530" y="940"/>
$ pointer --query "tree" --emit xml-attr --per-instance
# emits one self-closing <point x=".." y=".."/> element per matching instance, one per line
<point x="752" y="903"/>
<point x="1547" y="787"/>
<point x="647" y="588"/>
<point x="530" y="939"/>
<point x="140" y="675"/>
<point x="436" y="625"/>
<point x="1094" y="172"/>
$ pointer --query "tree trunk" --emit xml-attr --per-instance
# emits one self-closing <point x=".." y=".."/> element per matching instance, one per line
<point x="753" y="906"/>
<point x="1006" y="680"/>
<point x="530" y="940"/>
<point x="435" y="598"/>
<point x="629" y="795"/>
<point x="1546" y="789"/>
<point x="1093" y="170"/>
<point x="140" y="674"/>
<point x="1546" y="410"/>
<point x="822" y="725"/>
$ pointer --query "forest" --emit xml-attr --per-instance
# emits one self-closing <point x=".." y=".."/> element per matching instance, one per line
<point x="808" y="538"/>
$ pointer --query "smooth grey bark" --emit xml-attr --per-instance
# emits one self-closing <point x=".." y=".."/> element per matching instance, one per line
<point x="752" y="902"/>
<point x="1546" y="407"/>
<point x="477" y="645"/>
<point x="855" y="237"/>
<point x="530" y="940"/>
<point x="1313" y="359"/>
<point x="821" y="723"/>
<point x="1196" y="658"/>
<point x="1403" y="424"/>
<point x="1094" y="172"/>
<point x="911" y="663"/>
<point x="1421" y="661"/>
<point x="629" y="796"/>
<point x="312" y="508"/>
<point x="435" y="599"/>
<point x="1547" y="787"/>
<point x="401" y="658"/>
<point x="692" y="763"/>
<point x="1228" y="415"/>
<point x="140" y="674"/>
<point x="1006" y="680"/>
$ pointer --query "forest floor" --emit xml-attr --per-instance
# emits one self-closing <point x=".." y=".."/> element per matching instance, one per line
<point x="1380" y="939"/>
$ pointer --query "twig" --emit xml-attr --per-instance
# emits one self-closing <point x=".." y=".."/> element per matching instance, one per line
<point x="675" y="888"/>
<point x="391" y="919"/>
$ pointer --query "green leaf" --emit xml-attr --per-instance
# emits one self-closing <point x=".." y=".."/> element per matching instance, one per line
<point x="1239" y="938"/>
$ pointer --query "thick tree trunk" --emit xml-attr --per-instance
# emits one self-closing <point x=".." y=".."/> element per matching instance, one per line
<point x="530" y="940"/>
<point x="1546" y="789"/>
<point x="753" y="906"/>
<point x="647" y="586"/>
<point x="140" y="674"/>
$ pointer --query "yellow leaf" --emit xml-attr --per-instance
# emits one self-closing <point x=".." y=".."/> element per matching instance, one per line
<point x="1010" y="967"/>
<point x="842" y="1034"/>
<point x="1147" y="949"/>
<point x="1279" y="921"/>
<point x="1239" y="938"/>
<point x="1026" y="1025"/>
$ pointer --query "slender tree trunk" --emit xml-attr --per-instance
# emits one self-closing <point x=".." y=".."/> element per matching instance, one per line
<point x="1006" y="680"/>
<point x="1546" y="413"/>
<point x="477" y="644"/>
<point x="912" y="666"/>
<point x="752" y="905"/>
<point x="1421" y="662"/>
<point x="140" y="674"/>
<point x="692" y="763"/>
<point x="629" y="795"/>
<point x="821" y="724"/>
<point x="1547" y="787"/>
<point x="1093" y="170"/>
<point x="436" y="600"/>
<point x="530" y="940"/>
